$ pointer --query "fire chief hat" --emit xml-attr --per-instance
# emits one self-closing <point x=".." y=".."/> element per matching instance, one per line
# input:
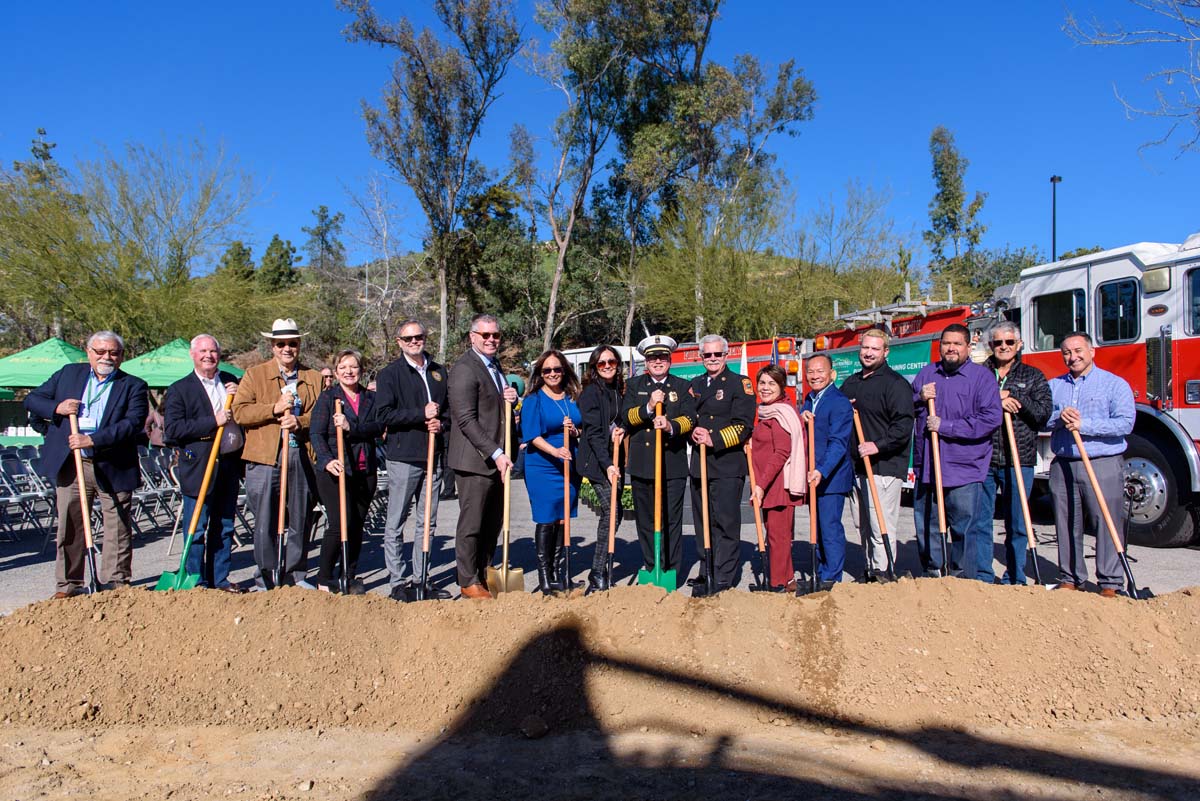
<point x="657" y="346"/>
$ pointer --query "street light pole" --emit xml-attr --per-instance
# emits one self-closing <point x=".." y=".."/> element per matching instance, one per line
<point x="1055" y="180"/>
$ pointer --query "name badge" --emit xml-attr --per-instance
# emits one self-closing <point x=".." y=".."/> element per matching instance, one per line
<point x="88" y="424"/>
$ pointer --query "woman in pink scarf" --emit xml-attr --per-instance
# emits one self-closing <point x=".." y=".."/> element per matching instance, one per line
<point x="779" y="471"/>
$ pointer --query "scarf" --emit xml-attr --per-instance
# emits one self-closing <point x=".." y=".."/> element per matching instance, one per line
<point x="795" y="469"/>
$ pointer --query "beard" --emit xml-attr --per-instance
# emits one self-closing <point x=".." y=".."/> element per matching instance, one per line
<point x="103" y="369"/>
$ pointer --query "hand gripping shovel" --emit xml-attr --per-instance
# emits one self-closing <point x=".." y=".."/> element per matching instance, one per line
<point x="1134" y="592"/>
<point x="941" y="497"/>
<point x="423" y="592"/>
<point x="883" y="532"/>
<point x="567" y="586"/>
<point x="344" y="581"/>
<point x="182" y="580"/>
<point x="281" y="537"/>
<point x="658" y="577"/>
<point x="812" y="508"/>
<point x="764" y="581"/>
<point x="1020" y="479"/>
<point x="506" y="578"/>
<point x="89" y="544"/>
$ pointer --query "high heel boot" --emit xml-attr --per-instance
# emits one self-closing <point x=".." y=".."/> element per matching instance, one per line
<point x="544" y="539"/>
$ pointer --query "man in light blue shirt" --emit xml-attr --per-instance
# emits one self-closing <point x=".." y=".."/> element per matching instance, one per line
<point x="1099" y="405"/>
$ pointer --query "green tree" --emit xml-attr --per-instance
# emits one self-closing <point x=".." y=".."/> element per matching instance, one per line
<point x="277" y="269"/>
<point x="954" y="226"/>
<point x="237" y="262"/>
<point x="1071" y="254"/>
<point x="434" y="107"/>
<point x="324" y="247"/>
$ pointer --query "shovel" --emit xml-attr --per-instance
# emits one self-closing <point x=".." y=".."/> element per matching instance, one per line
<point x="423" y="592"/>
<point x="1134" y="592"/>
<point x="764" y="583"/>
<point x="710" y="580"/>
<point x="89" y="550"/>
<point x="506" y="578"/>
<point x="941" y="499"/>
<point x="812" y="506"/>
<point x="883" y="532"/>
<point x="1016" y="460"/>
<point x="344" y="581"/>
<point x="566" y="579"/>
<point x="281" y="537"/>
<point x="658" y="577"/>
<point x="183" y="580"/>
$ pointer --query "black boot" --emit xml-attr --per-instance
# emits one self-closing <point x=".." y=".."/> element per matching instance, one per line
<point x="544" y="538"/>
<point x="597" y="581"/>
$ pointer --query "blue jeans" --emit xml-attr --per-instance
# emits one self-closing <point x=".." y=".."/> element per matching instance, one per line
<point x="964" y="524"/>
<point x="831" y="536"/>
<point x="1016" y="538"/>
<point x="211" y="554"/>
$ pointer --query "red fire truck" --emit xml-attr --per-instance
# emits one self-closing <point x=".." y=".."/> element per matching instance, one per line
<point x="1141" y="304"/>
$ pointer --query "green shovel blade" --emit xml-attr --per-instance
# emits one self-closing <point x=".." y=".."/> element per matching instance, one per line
<point x="658" y="577"/>
<point x="180" y="580"/>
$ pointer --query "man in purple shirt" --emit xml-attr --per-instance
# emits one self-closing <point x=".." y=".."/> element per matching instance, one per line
<point x="968" y="411"/>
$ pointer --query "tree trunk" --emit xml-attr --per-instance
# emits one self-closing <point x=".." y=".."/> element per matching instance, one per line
<point x="443" y="309"/>
<point x="630" y="310"/>
<point x="559" y="265"/>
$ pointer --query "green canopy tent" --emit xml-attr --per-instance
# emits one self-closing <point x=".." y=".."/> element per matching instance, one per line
<point x="164" y="366"/>
<point x="32" y="366"/>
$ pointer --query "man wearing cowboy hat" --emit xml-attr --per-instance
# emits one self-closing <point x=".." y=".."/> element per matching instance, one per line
<point x="273" y="399"/>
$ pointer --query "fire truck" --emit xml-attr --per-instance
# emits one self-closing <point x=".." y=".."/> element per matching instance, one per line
<point x="747" y="358"/>
<point x="1141" y="305"/>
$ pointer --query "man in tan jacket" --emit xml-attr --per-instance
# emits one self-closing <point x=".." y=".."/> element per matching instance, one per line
<point x="273" y="404"/>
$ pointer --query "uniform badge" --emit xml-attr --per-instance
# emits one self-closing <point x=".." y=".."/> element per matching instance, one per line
<point x="746" y="386"/>
<point x="673" y="396"/>
<point x="720" y="394"/>
<point x="436" y="375"/>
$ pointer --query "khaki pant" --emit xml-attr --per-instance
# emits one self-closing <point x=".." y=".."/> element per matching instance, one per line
<point x="862" y="510"/>
<point x="117" y="561"/>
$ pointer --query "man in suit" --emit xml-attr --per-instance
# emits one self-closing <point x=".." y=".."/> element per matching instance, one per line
<point x="276" y="397"/>
<point x="476" y="394"/>
<point x="111" y="406"/>
<point x="193" y="410"/>
<point x="724" y="421"/>
<point x="833" y="470"/>
<point x="410" y="403"/>
<point x="657" y="385"/>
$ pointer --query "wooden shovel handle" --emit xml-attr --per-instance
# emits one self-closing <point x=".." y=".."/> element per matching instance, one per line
<point x="1020" y="479"/>
<point x="283" y="482"/>
<point x="1108" y="521"/>
<point x="341" y="454"/>
<point x="870" y="477"/>
<point x="614" y="498"/>
<point x="658" y="446"/>
<point x="428" y="489"/>
<point x="566" y="488"/>
<point x="704" y="496"/>
<point x="812" y="485"/>
<point x="754" y="502"/>
<point x="937" y="470"/>
<point x="208" y="471"/>
<point x="84" y="506"/>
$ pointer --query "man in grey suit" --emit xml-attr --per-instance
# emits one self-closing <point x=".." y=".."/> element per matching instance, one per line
<point x="477" y="392"/>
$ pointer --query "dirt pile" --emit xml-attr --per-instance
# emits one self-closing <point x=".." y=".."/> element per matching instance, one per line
<point x="911" y="654"/>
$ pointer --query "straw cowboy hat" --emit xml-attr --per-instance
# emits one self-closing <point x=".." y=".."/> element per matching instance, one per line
<point x="284" y="328"/>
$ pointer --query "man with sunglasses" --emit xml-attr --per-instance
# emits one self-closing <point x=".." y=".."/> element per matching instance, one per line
<point x="410" y="404"/>
<point x="477" y="393"/>
<point x="724" y="421"/>
<point x="640" y="422"/>
<point x="111" y="407"/>
<point x="1025" y="395"/>
<point x="276" y="397"/>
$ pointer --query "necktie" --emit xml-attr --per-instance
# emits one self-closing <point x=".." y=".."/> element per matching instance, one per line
<point x="497" y="376"/>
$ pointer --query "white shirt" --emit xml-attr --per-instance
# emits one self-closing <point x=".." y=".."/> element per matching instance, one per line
<point x="422" y="369"/>
<point x="233" y="438"/>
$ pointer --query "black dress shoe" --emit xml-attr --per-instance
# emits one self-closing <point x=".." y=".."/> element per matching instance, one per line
<point x="399" y="594"/>
<point x="232" y="589"/>
<point x="356" y="587"/>
<point x="698" y="581"/>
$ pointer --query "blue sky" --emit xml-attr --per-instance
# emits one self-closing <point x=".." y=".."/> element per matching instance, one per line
<point x="278" y="85"/>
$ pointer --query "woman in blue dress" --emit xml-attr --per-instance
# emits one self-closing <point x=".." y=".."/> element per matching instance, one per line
<point x="549" y="407"/>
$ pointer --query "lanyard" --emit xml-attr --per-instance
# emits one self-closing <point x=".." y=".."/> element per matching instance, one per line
<point x="102" y="388"/>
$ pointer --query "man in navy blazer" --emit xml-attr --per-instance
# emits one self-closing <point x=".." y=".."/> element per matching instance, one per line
<point x="193" y="410"/>
<point x="112" y="407"/>
<point x="833" y="471"/>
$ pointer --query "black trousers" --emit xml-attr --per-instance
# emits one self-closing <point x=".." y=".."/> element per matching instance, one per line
<point x="725" y="524"/>
<point x="480" y="518"/>
<point x="672" y="520"/>
<point x="360" y="490"/>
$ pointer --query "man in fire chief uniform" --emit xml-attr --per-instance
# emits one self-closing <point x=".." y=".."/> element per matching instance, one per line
<point x="724" y="421"/>
<point x="657" y="385"/>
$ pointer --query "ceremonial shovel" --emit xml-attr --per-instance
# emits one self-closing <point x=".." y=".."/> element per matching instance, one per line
<point x="614" y="499"/>
<point x="506" y="578"/>
<point x="883" y="532"/>
<point x="764" y="581"/>
<point x="566" y="580"/>
<point x="183" y="580"/>
<point x="1020" y="479"/>
<point x="423" y="591"/>
<point x="89" y="544"/>
<point x="812" y="506"/>
<point x="344" y="581"/>
<point x="710" y="580"/>
<point x="941" y="499"/>
<point x="281" y="538"/>
<point x="658" y="577"/>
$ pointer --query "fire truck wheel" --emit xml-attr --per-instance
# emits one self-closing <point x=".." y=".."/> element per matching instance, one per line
<point x="1159" y="516"/>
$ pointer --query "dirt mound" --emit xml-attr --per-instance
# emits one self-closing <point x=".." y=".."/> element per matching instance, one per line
<point x="910" y="654"/>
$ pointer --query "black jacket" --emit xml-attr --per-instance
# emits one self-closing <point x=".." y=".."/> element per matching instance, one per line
<point x="885" y="408"/>
<point x="639" y="426"/>
<point x="1028" y="385"/>
<point x="399" y="409"/>
<point x="189" y="426"/>
<point x="726" y="408"/>
<point x="359" y="439"/>
<point x="600" y="406"/>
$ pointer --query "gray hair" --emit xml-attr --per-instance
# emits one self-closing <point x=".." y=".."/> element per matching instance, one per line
<point x="411" y="321"/>
<point x="106" y="336"/>
<point x="196" y="341"/>
<point x="715" y="338"/>
<point x="1000" y="328"/>
<point x="482" y="318"/>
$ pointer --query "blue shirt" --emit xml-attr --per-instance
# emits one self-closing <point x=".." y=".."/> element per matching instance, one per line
<point x="1105" y="404"/>
<point x="94" y="402"/>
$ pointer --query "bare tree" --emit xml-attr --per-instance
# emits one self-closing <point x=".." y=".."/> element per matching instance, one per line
<point x="1175" y="23"/>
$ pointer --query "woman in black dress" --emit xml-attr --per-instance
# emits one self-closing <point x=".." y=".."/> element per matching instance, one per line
<point x="600" y="405"/>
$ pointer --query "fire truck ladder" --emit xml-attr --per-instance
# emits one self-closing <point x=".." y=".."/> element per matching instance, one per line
<point x="897" y="308"/>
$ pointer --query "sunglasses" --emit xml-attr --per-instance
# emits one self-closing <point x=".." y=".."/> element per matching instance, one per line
<point x="414" y="338"/>
<point x="486" y="335"/>
<point x="291" y="343"/>
<point x="658" y="358"/>
<point x="551" y="370"/>
<point x="607" y="363"/>
<point x="716" y="355"/>
<point x="998" y="342"/>
<point x="108" y="352"/>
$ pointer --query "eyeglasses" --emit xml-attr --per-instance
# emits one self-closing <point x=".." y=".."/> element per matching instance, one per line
<point x="108" y="352"/>
<point x="551" y="370"/>
<point x="998" y="342"/>
<point x="291" y="343"/>
<point x="658" y="357"/>
<point x="716" y="355"/>
<point x="414" y="338"/>
<point x="486" y="335"/>
<point x="607" y="363"/>
<point x="325" y="377"/>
